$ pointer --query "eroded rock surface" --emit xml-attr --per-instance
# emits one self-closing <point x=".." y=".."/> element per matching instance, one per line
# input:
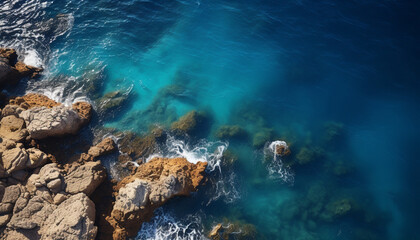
<point x="149" y="187"/>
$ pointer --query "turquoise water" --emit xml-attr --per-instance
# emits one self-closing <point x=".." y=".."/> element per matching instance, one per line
<point x="339" y="78"/>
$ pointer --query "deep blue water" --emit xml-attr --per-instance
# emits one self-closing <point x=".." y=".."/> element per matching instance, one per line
<point x="294" y="67"/>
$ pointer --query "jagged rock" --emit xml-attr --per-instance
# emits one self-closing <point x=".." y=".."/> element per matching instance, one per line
<point x="152" y="184"/>
<point x="10" y="109"/>
<point x="54" y="185"/>
<point x="43" y="122"/>
<point x="59" y="198"/>
<point x="12" y="71"/>
<point x="84" y="178"/>
<point x="36" y="158"/>
<point x="84" y="110"/>
<point x="104" y="147"/>
<point x="72" y="219"/>
<point x="133" y="196"/>
<point x="13" y="128"/>
<point x="33" y="215"/>
<point x="11" y="194"/>
<point x="49" y="176"/>
<point x="31" y="100"/>
<point x="14" y="159"/>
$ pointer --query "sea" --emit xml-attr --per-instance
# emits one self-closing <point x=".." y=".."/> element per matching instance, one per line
<point x="334" y="82"/>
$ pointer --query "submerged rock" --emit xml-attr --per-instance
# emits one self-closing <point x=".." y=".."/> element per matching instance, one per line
<point x="262" y="137"/>
<point x="230" y="132"/>
<point x="112" y="102"/>
<point x="149" y="187"/>
<point x="233" y="231"/>
<point x="191" y="123"/>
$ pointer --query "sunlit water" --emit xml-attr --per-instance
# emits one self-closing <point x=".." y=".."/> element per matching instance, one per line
<point x="294" y="70"/>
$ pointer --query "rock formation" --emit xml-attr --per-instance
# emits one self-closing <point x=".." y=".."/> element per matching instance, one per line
<point x="149" y="187"/>
<point x="40" y="200"/>
<point x="11" y="71"/>
<point x="46" y="118"/>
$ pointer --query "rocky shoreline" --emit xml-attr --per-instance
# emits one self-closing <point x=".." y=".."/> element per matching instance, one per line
<point x="46" y="197"/>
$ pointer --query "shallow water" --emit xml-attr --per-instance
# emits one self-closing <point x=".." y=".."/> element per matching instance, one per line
<point x="338" y="77"/>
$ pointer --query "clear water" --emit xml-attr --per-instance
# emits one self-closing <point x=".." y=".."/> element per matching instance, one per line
<point x="293" y="66"/>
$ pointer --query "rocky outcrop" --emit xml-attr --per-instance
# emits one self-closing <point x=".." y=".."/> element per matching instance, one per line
<point x="46" y="118"/>
<point x="11" y="71"/>
<point x="13" y="128"/>
<point x="106" y="146"/>
<point x="31" y="100"/>
<point x="73" y="219"/>
<point x="84" y="178"/>
<point x="43" y="122"/>
<point x="39" y="201"/>
<point x="149" y="187"/>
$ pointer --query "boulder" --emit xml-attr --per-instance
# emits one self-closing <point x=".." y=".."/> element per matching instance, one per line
<point x="104" y="147"/>
<point x="33" y="214"/>
<point x="73" y="219"/>
<point x="13" y="128"/>
<point x="43" y="122"/>
<point x="84" y="178"/>
<point x="14" y="159"/>
<point x="149" y="187"/>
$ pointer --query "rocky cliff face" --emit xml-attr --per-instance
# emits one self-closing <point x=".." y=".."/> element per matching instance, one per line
<point x="149" y="187"/>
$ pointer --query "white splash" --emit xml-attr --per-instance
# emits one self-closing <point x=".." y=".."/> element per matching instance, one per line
<point x="164" y="226"/>
<point x="276" y="168"/>
<point x="32" y="58"/>
<point x="203" y="151"/>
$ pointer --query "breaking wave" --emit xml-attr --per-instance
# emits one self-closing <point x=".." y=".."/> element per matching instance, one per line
<point x="164" y="226"/>
<point x="203" y="151"/>
<point x="24" y="27"/>
<point x="275" y="166"/>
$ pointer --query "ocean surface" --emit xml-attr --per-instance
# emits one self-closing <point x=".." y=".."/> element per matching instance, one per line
<point x="337" y="80"/>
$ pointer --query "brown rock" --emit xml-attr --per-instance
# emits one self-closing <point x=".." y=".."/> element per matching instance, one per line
<point x="84" y="178"/>
<point x="149" y="187"/>
<point x="84" y="110"/>
<point x="12" y="71"/>
<point x="13" y="128"/>
<point x="104" y="147"/>
<point x="34" y="100"/>
<point x="73" y="219"/>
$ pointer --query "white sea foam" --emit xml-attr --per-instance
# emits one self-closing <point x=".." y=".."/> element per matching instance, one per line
<point x="203" y="151"/>
<point x="276" y="168"/>
<point x="164" y="226"/>
<point x="32" y="58"/>
<point x="224" y="187"/>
